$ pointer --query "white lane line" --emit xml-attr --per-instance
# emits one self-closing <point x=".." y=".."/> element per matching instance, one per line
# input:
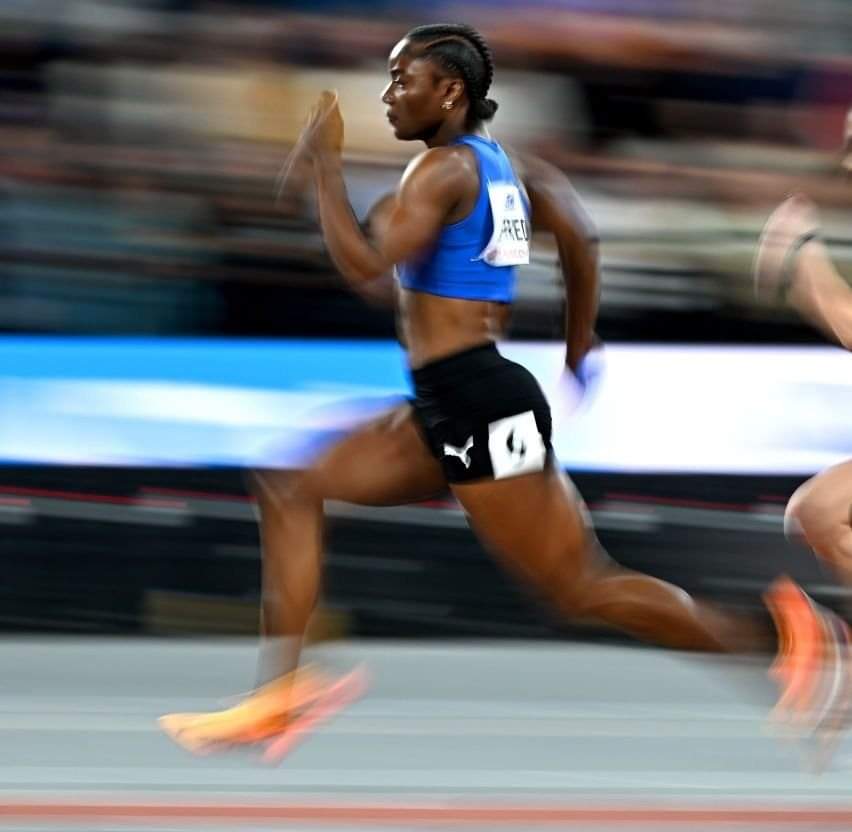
<point x="351" y="725"/>
<point x="405" y="708"/>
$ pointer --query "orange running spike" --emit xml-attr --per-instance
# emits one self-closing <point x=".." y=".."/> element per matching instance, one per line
<point x="802" y="646"/>
<point x="297" y="702"/>
<point x="263" y="713"/>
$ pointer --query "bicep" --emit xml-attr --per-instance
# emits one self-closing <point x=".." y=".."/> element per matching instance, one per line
<point x="375" y="224"/>
<point x="417" y="214"/>
<point x="412" y="228"/>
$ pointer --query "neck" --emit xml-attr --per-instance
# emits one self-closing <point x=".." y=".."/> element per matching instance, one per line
<point x="449" y="131"/>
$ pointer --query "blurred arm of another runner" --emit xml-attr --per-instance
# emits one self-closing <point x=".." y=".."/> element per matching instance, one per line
<point x="818" y="291"/>
<point x="821" y="295"/>
<point x="793" y="262"/>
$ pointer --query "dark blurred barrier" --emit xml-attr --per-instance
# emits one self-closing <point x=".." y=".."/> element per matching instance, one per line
<point x="168" y="551"/>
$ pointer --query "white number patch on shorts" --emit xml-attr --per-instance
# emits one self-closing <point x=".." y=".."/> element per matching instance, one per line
<point x="515" y="446"/>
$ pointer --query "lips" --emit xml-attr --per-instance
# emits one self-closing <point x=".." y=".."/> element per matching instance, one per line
<point x="391" y="117"/>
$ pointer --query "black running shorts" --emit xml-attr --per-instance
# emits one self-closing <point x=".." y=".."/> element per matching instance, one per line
<point x="483" y="416"/>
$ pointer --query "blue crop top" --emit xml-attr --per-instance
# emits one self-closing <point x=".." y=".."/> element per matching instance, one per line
<point x="471" y="260"/>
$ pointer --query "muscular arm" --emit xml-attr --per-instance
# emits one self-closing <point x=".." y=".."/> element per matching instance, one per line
<point x="382" y="290"/>
<point x="429" y="191"/>
<point x="557" y="208"/>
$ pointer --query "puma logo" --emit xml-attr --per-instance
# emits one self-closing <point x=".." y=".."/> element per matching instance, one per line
<point x="462" y="453"/>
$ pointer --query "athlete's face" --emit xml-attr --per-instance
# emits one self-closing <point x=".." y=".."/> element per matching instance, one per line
<point x="414" y="95"/>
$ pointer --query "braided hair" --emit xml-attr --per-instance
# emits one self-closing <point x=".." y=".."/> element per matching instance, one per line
<point x="462" y="51"/>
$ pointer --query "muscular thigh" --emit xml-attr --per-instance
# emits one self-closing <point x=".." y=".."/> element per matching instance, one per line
<point x="531" y="520"/>
<point x="385" y="462"/>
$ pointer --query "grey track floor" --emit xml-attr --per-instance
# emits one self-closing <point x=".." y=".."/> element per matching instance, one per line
<point x="513" y="735"/>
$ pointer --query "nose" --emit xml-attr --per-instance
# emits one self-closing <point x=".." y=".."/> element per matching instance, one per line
<point x="387" y="94"/>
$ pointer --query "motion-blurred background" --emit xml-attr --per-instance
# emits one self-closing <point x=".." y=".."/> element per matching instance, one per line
<point x="166" y="324"/>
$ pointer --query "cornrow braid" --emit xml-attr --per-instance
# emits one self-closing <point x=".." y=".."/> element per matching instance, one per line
<point x="461" y="50"/>
<point x="485" y="52"/>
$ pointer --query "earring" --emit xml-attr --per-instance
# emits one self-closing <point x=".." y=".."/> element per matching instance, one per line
<point x="447" y="105"/>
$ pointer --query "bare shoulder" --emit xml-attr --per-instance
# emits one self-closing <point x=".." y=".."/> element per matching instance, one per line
<point x="452" y="164"/>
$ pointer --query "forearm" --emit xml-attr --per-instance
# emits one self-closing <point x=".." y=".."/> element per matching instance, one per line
<point x="350" y="250"/>
<point x="822" y="295"/>
<point x="580" y="267"/>
<point x="557" y="208"/>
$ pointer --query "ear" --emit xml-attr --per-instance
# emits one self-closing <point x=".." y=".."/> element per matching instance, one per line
<point x="454" y="91"/>
<point x="450" y="89"/>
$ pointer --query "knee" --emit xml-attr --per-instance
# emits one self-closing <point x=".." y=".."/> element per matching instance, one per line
<point x="573" y="602"/>
<point x="594" y="599"/>
<point x="582" y="592"/>
<point x="805" y="510"/>
<point x="278" y="491"/>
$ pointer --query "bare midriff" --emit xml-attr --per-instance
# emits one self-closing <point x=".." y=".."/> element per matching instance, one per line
<point x="433" y="327"/>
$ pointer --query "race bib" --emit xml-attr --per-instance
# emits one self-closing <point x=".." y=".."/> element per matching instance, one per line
<point x="510" y="243"/>
<point x="515" y="446"/>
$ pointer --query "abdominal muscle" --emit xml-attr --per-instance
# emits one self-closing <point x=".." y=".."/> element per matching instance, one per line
<point x="433" y="327"/>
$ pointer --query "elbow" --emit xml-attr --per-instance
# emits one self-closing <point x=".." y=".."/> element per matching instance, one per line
<point x="579" y="232"/>
<point x="584" y="227"/>
<point x="361" y="275"/>
<point x="588" y="232"/>
<point x="360" y="270"/>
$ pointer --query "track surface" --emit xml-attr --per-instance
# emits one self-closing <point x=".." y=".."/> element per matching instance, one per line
<point x="510" y="735"/>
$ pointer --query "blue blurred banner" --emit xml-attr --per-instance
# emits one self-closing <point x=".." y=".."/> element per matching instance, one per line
<point x="200" y="402"/>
